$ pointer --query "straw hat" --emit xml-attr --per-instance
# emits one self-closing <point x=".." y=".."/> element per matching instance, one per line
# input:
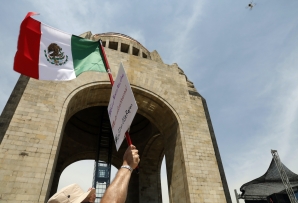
<point x="71" y="194"/>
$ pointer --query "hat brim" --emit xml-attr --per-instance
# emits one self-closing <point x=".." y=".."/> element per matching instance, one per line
<point x="85" y="195"/>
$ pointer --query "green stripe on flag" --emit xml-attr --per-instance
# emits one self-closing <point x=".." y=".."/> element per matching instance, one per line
<point x="86" y="55"/>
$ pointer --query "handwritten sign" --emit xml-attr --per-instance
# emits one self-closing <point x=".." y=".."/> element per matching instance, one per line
<point x="122" y="107"/>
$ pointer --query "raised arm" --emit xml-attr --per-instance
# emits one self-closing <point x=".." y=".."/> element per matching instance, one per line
<point x="117" y="191"/>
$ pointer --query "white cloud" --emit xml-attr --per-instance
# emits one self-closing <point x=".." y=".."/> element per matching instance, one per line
<point x="280" y="130"/>
<point x="241" y="55"/>
<point x="76" y="17"/>
<point x="184" y="26"/>
<point x="138" y="35"/>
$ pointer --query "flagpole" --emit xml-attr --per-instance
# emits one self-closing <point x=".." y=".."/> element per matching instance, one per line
<point x="107" y="66"/>
<point x="112" y="83"/>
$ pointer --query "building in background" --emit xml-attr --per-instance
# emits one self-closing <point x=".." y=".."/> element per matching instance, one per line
<point x="269" y="187"/>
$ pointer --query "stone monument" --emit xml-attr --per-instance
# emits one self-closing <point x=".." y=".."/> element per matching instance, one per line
<point x="46" y="126"/>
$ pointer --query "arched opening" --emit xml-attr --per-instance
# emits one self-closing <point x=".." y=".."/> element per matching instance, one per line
<point x="164" y="181"/>
<point x="80" y="139"/>
<point x="154" y="123"/>
<point x="80" y="172"/>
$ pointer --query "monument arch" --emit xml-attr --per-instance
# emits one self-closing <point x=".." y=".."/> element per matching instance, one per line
<point x="77" y="144"/>
<point x="40" y="124"/>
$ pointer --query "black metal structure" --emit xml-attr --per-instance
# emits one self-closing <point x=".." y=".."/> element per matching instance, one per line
<point x="284" y="177"/>
<point x="259" y="189"/>
<point x="102" y="170"/>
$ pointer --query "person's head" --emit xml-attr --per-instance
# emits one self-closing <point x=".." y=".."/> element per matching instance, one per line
<point x="73" y="194"/>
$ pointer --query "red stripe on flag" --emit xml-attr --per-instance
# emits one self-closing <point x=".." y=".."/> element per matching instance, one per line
<point x="27" y="56"/>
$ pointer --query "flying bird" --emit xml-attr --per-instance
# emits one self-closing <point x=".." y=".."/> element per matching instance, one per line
<point x="251" y="5"/>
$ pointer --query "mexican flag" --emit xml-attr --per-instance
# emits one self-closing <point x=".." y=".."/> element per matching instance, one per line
<point x="45" y="53"/>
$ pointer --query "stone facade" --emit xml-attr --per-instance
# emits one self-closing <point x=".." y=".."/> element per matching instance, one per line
<point x="38" y="136"/>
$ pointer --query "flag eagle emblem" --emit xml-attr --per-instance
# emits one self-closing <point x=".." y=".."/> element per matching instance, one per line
<point x="55" y="55"/>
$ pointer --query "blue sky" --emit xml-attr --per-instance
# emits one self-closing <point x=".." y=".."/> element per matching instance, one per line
<point x="244" y="63"/>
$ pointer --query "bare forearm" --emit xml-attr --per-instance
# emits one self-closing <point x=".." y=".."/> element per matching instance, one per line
<point x="117" y="191"/>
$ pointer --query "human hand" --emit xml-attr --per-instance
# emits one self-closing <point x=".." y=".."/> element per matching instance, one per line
<point x="131" y="157"/>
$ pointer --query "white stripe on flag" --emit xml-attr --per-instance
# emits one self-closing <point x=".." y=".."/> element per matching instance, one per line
<point x="48" y="71"/>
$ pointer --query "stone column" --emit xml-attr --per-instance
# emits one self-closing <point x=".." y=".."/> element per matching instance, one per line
<point x="130" y="49"/>
<point x="107" y="43"/>
<point x="141" y="53"/>
<point x="119" y="46"/>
